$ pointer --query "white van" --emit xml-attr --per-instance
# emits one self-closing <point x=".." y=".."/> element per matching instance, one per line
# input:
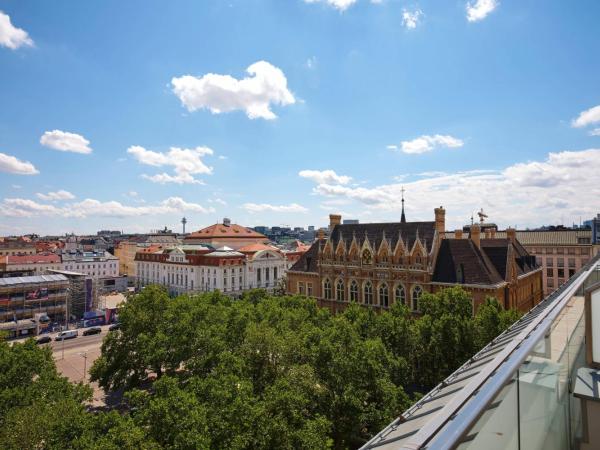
<point x="69" y="334"/>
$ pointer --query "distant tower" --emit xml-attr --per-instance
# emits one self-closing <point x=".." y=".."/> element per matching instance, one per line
<point x="403" y="217"/>
<point x="183" y="222"/>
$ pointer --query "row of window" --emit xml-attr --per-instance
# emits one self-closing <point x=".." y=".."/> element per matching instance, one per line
<point x="562" y="250"/>
<point x="368" y="297"/>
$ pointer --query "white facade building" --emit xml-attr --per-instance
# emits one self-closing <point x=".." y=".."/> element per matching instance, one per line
<point x="195" y="268"/>
<point x="92" y="264"/>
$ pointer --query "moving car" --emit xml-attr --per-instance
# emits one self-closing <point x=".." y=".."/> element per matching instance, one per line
<point x="114" y="326"/>
<point x="43" y="340"/>
<point x="69" y="334"/>
<point x="92" y="330"/>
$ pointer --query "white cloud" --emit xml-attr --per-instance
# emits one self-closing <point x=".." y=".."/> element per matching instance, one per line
<point x="341" y="5"/>
<point x="527" y="194"/>
<point x="19" y="207"/>
<point x="220" y="201"/>
<point x="56" y="196"/>
<point x="479" y="9"/>
<point x="261" y="207"/>
<point x="427" y="143"/>
<point x="410" y="19"/>
<point x="392" y="147"/>
<point x="595" y="132"/>
<point x="311" y="62"/>
<point x="185" y="162"/>
<point x="223" y="93"/>
<point x="65" y="142"/>
<point x="11" y="164"/>
<point x="588" y="117"/>
<point x="325" y="176"/>
<point x="11" y="36"/>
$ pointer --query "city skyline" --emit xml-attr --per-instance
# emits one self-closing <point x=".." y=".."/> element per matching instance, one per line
<point x="133" y="116"/>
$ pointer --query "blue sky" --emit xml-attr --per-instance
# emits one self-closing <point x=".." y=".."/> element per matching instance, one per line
<point x="347" y="102"/>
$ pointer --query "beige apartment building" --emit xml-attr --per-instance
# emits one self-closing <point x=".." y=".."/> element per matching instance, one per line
<point x="560" y="253"/>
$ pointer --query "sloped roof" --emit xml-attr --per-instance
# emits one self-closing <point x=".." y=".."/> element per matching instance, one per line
<point x="308" y="260"/>
<point x="33" y="259"/>
<point x="457" y="255"/>
<point x="392" y="230"/>
<point x="544" y="237"/>
<point x="253" y="248"/>
<point x="220" y="230"/>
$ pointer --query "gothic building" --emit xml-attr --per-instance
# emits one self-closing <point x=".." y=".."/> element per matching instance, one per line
<point x="378" y="264"/>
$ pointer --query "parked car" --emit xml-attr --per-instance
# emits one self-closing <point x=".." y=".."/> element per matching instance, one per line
<point x="43" y="340"/>
<point x="92" y="330"/>
<point x="114" y="326"/>
<point x="69" y="334"/>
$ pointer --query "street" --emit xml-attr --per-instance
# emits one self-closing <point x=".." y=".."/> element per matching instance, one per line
<point x="79" y="355"/>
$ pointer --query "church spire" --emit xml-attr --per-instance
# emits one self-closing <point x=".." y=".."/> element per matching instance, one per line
<point x="402" y="217"/>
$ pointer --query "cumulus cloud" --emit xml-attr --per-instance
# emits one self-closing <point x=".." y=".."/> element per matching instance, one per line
<point x="531" y="193"/>
<point x="410" y="19"/>
<point x="11" y="36"/>
<point x="426" y="143"/>
<point x="254" y="94"/>
<point x="341" y="5"/>
<point x="186" y="163"/>
<point x="325" y="176"/>
<point x="261" y="207"/>
<point x="588" y="117"/>
<point x="56" y="196"/>
<point x="11" y="164"/>
<point x="479" y="9"/>
<point x="20" y="207"/>
<point x="65" y="142"/>
<point x="595" y="132"/>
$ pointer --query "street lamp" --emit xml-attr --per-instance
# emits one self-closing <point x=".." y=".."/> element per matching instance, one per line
<point x="84" y="355"/>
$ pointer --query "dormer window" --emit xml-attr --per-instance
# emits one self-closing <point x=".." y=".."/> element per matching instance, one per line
<point x="367" y="258"/>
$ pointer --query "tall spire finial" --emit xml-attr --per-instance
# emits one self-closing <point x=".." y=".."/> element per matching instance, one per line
<point x="402" y="217"/>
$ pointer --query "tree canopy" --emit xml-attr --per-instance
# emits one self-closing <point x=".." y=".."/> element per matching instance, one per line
<point x="263" y="372"/>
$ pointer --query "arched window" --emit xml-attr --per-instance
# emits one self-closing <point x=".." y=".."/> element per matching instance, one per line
<point x="339" y="291"/>
<point x="368" y="293"/>
<point x="354" y="291"/>
<point x="400" y="295"/>
<point x="384" y="296"/>
<point x="416" y="295"/>
<point x="327" y="289"/>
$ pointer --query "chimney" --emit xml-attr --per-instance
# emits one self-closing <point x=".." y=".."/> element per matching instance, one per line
<point x="511" y="234"/>
<point x="476" y="235"/>
<point x="458" y="234"/>
<point x="334" y="219"/>
<point x="440" y="221"/>
<point x="321" y="234"/>
<point x="488" y="233"/>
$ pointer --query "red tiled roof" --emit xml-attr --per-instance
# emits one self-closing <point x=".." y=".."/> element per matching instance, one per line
<point x="220" y="230"/>
<point x="33" y="259"/>
<point x="253" y="248"/>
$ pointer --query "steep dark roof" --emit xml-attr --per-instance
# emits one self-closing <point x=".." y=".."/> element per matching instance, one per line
<point x="497" y="251"/>
<point x="393" y="230"/>
<point x="460" y="261"/>
<point x="308" y="260"/>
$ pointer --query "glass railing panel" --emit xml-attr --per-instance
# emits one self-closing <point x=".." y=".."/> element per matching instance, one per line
<point x="498" y="427"/>
<point x="549" y="416"/>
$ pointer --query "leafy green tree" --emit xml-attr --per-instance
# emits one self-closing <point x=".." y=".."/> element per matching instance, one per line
<point x="140" y="347"/>
<point x="491" y="320"/>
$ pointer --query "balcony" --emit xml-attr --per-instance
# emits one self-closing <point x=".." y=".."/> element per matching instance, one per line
<point x="527" y="389"/>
